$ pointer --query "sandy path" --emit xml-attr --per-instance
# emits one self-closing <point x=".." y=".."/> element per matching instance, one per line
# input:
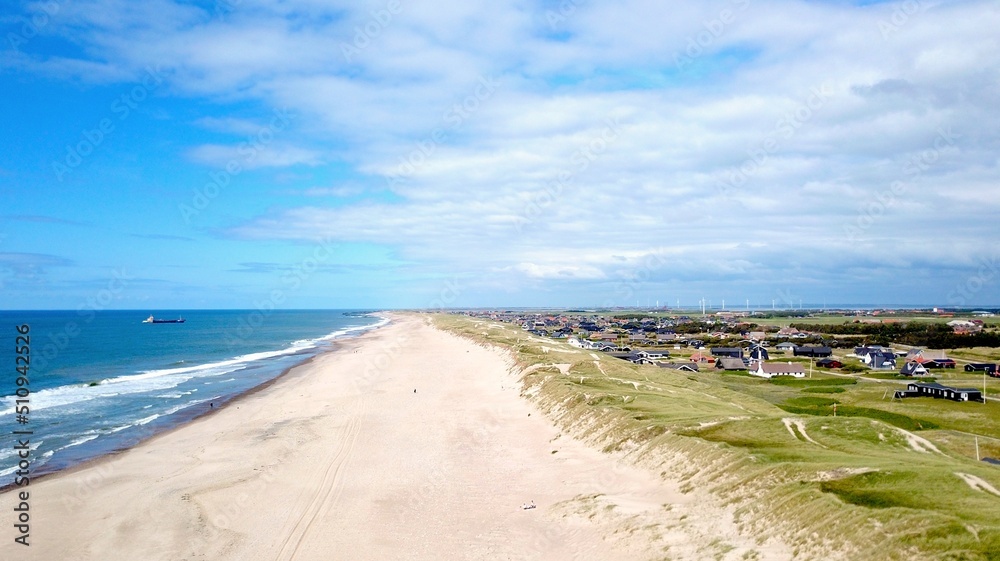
<point x="342" y="460"/>
<point x="919" y="443"/>
<point x="978" y="483"/>
<point x="794" y="425"/>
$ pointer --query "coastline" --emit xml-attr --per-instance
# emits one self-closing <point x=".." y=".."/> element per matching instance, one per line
<point x="180" y="424"/>
<point x="190" y="415"/>
<point x="408" y="441"/>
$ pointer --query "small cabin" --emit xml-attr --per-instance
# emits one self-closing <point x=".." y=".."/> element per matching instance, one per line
<point x="938" y="391"/>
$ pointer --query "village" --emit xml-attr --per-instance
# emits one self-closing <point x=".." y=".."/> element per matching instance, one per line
<point x="747" y="343"/>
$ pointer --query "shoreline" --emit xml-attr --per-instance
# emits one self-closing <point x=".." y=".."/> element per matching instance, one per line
<point x="204" y="414"/>
<point x="184" y="420"/>
<point x="409" y="441"/>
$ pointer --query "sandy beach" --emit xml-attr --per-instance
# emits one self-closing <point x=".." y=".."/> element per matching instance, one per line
<point x="405" y="443"/>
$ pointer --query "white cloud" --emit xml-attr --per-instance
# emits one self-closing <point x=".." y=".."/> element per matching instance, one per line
<point x="733" y="162"/>
<point x="252" y="155"/>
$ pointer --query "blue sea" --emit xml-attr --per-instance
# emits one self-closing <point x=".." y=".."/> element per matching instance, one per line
<point x="105" y="381"/>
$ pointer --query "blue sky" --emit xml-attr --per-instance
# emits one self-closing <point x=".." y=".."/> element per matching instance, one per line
<point x="251" y="153"/>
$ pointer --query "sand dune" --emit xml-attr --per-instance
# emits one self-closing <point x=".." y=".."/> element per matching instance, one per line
<point x="341" y="459"/>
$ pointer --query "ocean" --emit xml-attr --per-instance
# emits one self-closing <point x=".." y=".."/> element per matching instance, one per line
<point x="101" y="382"/>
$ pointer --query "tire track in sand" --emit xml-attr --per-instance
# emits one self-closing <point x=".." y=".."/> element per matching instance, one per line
<point x="329" y="491"/>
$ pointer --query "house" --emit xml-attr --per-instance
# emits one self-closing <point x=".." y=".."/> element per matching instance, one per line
<point x="923" y="356"/>
<point x="860" y="352"/>
<point x="700" y="357"/>
<point x="772" y="369"/>
<point x="813" y="352"/>
<point x="786" y="346"/>
<point x="652" y="355"/>
<point x="962" y="326"/>
<point x="730" y="363"/>
<point x="757" y="336"/>
<point x="880" y="360"/>
<point x="734" y="352"/>
<point x="989" y="368"/>
<point x="939" y="363"/>
<point x="758" y="352"/>
<point x="686" y="366"/>
<point x="829" y="363"/>
<point x="788" y="332"/>
<point x="639" y="360"/>
<point x="913" y="368"/>
<point x="638" y="337"/>
<point x="921" y="389"/>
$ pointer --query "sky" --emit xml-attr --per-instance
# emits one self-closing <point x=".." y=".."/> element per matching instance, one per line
<point x="428" y="154"/>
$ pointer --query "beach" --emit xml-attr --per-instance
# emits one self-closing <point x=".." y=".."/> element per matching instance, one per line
<point x="403" y="443"/>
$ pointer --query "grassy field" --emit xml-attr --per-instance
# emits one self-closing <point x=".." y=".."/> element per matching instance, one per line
<point x="882" y="479"/>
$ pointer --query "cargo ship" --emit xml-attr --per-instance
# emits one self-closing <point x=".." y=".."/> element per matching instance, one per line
<point x="151" y="319"/>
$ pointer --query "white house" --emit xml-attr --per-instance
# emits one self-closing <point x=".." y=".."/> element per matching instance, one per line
<point x="772" y="369"/>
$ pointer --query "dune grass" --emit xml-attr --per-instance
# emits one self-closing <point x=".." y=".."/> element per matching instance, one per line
<point x="878" y="481"/>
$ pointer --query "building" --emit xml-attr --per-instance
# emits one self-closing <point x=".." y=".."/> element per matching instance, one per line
<point x="880" y="360"/>
<point x="772" y="369"/>
<point x="730" y="363"/>
<point x="913" y="368"/>
<point x="813" y="352"/>
<point x="939" y="363"/>
<point x="937" y="391"/>
<point x="733" y="352"/>
<point x="685" y="366"/>
<point x="758" y="352"/>
<point x="700" y="357"/>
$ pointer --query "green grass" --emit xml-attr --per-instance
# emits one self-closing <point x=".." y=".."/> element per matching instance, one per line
<point x="817" y="381"/>
<point x="773" y="450"/>
<point x="824" y="389"/>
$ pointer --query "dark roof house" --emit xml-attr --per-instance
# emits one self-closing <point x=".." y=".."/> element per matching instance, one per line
<point x="815" y="352"/>
<point x="734" y="352"/>
<point x="730" y="363"/>
<point x="758" y="352"/>
<point x="913" y="368"/>
<point x="921" y="389"/>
